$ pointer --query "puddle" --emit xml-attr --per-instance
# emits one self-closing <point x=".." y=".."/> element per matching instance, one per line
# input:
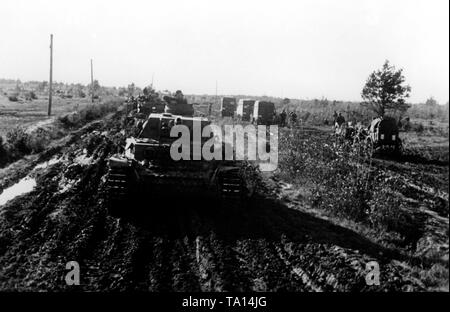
<point x="24" y="186"/>
<point x="45" y="164"/>
<point x="84" y="160"/>
<point x="286" y="186"/>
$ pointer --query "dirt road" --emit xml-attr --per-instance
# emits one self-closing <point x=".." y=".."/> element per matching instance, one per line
<point x="268" y="245"/>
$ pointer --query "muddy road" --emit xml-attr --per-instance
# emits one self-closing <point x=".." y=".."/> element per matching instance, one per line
<point x="268" y="244"/>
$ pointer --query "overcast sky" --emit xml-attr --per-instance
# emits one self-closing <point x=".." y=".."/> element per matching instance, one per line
<point x="299" y="49"/>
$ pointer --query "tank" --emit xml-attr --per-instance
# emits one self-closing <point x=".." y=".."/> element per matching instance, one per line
<point x="138" y="108"/>
<point x="147" y="168"/>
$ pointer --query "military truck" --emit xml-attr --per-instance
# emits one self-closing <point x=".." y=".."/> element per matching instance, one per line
<point x="244" y="109"/>
<point x="228" y="106"/>
<point x="263" y="113"/>
<point x="383" y="135"/>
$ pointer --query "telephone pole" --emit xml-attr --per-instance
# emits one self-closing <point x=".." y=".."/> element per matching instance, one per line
<point x="51" y="77"/>
<point x="216" y="93"/>
<point x="92" y="82"/>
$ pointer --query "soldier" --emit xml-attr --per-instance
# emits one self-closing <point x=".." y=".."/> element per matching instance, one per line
<point x="293" y="118"/>
<point x="340" y="120"/>
<point x="335" y="115"/>
<point x="339" y="124"/>
<point x="400" y="124"/>
<point x="180" y="97"/>
<point x="283" y="116"/>
<point x="350" y="131"/>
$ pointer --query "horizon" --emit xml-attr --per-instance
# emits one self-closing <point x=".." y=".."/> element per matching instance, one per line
<point x="313" y="49"/>
<point x="220" y="95"/>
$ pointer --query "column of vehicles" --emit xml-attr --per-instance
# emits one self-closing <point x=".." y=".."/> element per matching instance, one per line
<point x="145" y="167"/>
<point x="257" y="112"/>
<point x="381" y="134"/>
<point x="246" y="110"/>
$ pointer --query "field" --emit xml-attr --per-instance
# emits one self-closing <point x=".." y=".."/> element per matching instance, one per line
<point x="313" y="225"/>
<point x="27" y="113"/>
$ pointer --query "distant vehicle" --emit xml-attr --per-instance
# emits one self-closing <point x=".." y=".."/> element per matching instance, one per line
<point x="228" y="106"/>
<point x="244" y="109"/>
<point x="384" y="134"/>
<point x="263" y="113"/>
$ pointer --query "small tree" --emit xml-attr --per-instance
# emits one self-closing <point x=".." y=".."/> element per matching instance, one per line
<point x="42" y="86"/>
<point x="94" y="88"/>
<point x="431" y="102"/>
<point x="131" y="89"/>
<point x="385" y="90"/>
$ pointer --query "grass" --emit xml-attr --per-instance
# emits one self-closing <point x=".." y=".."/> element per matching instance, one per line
<point x="26" y="113"/>
<point x="392" y="202"/>
<point x="22" y="139"/>
<point x="338" y="180"/>
<point x="341" y="181"/>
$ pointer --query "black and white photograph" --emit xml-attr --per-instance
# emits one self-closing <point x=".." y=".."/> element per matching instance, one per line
<point x="223" y="151"/>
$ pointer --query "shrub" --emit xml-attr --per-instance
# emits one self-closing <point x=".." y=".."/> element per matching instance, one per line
<point x="3" y="153"/>
<point x="13" y="97"/>
<point x="38" y="140"/>
<point x="418" y="127"/>
<point x="30" y="95"/>
<point x="384" y="209"/>
<point x="337" y="181"/>
<point x="89" y="113"/>
<point x="17" y="140"/>
<point x="20" y="143"/>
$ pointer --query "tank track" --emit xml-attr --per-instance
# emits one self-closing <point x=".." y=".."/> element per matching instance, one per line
<point x="117" y="186"/>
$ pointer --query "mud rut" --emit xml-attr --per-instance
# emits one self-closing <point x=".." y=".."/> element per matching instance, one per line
<point x="264" y="246"/>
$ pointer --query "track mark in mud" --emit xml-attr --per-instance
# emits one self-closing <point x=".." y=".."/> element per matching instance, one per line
<point x="210" y="275"/>
<point x="267" y="270"/>
<point x="160" y="265"/>
<point x="299" y="272"/>
<point x="197" y="249"/>
<point x="184" y="277"/>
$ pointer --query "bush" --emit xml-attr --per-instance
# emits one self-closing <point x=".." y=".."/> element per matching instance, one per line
<point x="336" y="181"/>
<point x="30" y="95"/>
<point x="13" y="97"/>
<point x="384" y="209"/>
<point x="17" y="140"/>
<point x="3" y="153"/>
<point x="89" y="113"/>
<point x="20" y="143"/>
<point x="38" y="140"/>
<point x="418" y="127"/>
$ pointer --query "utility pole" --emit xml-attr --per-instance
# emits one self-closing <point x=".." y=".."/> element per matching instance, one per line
<point x="51" y="77"/>
<point x="92" y="82"/>
<point x="216" y="93"/>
